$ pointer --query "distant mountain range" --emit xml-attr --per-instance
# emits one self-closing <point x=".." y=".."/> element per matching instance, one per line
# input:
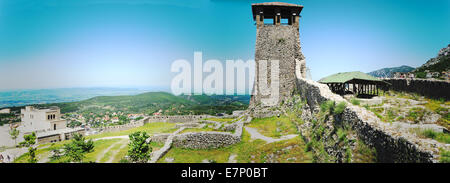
<point x="389" y="72"/>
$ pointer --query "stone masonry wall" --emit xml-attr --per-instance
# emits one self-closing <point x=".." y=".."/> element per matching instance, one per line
<point x="431" y="88"/>
<point x="391" y="146"/>
<point x="207" y="140"/>
<point x="176" y="119"/>
<point x="280" y="43"/>
<point x="122" y="127"/>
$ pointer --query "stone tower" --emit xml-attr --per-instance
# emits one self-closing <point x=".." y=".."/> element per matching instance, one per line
<point x="278" y="56"/>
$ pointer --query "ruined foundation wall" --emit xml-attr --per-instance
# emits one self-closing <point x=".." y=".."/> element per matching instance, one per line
<point x="431" y="88"/>
<point x="389" y="144"/>
<point x="204" y="140"/>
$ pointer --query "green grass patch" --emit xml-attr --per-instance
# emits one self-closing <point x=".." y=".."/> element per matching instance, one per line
<point x="274" y="126"/>
<point x="113" y="150"/>
<point x="445" y="156"/>
<point x="339" y="109"/>
<point x="415" y="114"/>
<point x="41" y="152"/>
<point x="363" y="153"/>
<point x="151" y="128"/>
<point x="429" y="133"/>
<point x="355" y="101"/>
<point x="99" y="147"/>
<point x="247" y="151"/>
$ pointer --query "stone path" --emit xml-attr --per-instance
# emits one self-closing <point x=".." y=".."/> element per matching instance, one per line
<point x="254" y="134"/>
<point x="158" y="154"/>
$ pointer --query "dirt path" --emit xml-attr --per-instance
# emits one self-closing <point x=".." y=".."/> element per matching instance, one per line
<point x="254" y="134"/>
<point x="100" y="156"/>
<point x="114" y="153"/>
<point x="113" y="137"/>
<point x="232" y="158"/>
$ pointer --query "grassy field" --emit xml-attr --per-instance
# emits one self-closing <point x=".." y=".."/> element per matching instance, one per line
<point x="247" y="151"/>
<point x="274" y="126"/>
<point x="44" y="150"/>
<point x="151" y="128"/>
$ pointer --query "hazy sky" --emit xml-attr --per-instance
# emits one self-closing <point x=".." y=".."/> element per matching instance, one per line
<point x="123" y="43"/>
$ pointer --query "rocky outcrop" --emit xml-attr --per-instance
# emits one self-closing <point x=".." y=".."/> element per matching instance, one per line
<point x="443" y="53"/>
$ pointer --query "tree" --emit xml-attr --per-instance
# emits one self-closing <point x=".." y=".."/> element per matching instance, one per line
<point x="139" y="149"/>
<point x="30" y="140"/>
<point x="77" y="148"/>
<point x="14" y="134"/>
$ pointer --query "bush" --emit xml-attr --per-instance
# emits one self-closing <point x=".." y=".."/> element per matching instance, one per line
<point x="327" y="106"/>
<point x="340" y="108"/>
<point x="355" y="101"/>
<point x="139" y="149"/>
<point x="445" y="156"/>
<point x="124" y="160"/>
<point x="77" y="148"/>
<point x="342" y="135"/>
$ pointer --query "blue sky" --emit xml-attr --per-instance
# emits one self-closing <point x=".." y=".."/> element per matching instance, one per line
<point x="123" y="43"/>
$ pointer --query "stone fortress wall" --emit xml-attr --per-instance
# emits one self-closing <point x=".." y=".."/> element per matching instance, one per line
<point x="117" y="128"/>
<point x="152" y="119"/>
<point x="176" y="119"/>
<point x="390" y="145"/>
<point x="431" y="88"/>
<point x="205" y="140"/>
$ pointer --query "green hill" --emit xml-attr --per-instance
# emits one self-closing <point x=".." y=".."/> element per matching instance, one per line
<point x="389" y="72"/>
<point x="151" y="102"/>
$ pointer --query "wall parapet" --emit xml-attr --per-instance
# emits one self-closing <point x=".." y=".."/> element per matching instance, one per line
<point x="176" y="119"/>
<point x="427" y="87"/>
<point x="390" y="144"/>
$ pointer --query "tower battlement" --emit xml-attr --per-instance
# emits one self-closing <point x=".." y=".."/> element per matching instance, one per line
<point x="277" y="11"/>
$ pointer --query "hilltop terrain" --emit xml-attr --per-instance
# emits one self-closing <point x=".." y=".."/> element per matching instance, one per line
<point x="151" y="102"/>
<point x="389" y="72"/>
<point x="438" y="64"/>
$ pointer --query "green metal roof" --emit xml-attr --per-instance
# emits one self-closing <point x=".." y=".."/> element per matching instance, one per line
<point x="343" y="77"/>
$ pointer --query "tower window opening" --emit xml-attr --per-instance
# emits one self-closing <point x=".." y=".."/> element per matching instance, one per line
<point x="268" y="21"/>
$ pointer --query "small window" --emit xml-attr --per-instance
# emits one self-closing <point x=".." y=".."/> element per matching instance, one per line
<point x="284" y="21"/>
<point x="268" y="21"/>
